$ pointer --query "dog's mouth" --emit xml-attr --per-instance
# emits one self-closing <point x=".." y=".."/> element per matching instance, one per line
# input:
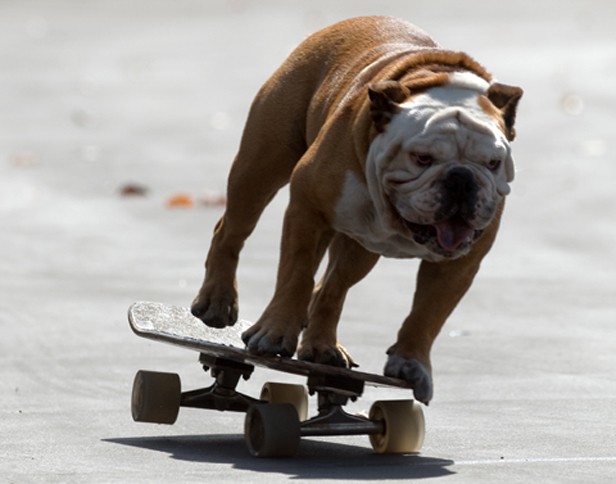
<point x="448" y="236"/>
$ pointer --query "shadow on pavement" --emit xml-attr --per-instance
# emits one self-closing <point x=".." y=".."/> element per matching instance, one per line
<point x="315" y="460"/>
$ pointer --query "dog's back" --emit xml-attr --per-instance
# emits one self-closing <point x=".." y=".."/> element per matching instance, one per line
<point x="342" y="57"/>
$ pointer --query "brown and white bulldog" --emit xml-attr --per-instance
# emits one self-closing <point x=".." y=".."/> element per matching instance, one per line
<point x="392" y="146"/>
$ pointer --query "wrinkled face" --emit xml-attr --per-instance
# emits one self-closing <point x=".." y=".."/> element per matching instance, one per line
<point x="440" y="167"/>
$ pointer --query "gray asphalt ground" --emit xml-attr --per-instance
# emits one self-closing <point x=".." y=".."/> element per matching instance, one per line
<point x="98" y="95"/>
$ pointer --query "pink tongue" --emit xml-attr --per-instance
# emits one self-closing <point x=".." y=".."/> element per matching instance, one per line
<point x="453" y="233"/>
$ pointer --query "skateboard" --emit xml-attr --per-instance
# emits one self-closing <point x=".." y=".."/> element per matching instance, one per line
<point x="275" y="422"/>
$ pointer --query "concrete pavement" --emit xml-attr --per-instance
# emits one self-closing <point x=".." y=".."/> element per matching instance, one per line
<point x="98" y="95"/>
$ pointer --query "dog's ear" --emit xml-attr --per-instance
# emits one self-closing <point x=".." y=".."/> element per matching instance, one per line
<point x="385" y="98"/>
<point x="506" y="98"/>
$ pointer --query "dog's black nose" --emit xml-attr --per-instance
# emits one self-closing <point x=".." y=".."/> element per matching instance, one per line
<point x="460" y="180"/>
<point x="459" y="193"/>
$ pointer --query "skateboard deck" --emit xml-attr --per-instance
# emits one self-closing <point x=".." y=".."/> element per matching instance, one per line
<point x="158" y="396"/>
<point x="177" y="326"/>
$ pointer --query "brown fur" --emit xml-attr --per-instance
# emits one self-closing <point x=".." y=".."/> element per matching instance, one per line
<point x="493" y="111"/>
<point x="311" y="124"/>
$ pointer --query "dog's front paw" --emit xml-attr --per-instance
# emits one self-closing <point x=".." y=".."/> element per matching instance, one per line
<point x="414" y="372"/>
<point x="216" y="308"/>
<point x="271" y="339"/>
<point x="327" y="354"/>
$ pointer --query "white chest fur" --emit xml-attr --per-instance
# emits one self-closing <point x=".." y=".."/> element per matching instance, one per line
<point x="357" y="216"/>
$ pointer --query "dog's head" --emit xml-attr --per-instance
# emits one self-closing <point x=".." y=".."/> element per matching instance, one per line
<point x="441" y="161"/>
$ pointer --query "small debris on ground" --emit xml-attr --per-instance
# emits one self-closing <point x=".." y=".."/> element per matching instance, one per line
<point x="133" y="190"/>
<point x="181" y="200"/>
<point x="178" y="200"/>
<point x="213" y="199"/>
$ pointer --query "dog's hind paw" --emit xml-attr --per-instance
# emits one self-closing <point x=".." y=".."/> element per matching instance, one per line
<point x="413" y="372"/>
<point x="333" y="355"/>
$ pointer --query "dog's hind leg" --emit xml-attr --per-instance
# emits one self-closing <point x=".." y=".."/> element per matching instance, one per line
<point x="348" y="263"/>
<point x="268" y="153"/>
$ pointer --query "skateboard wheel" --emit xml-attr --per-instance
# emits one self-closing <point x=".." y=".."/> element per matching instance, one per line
<point x="156" y="397"/>
<point x="404" y="427"/>
<point x="272" y="430"/>
<point x="296" y="395"/>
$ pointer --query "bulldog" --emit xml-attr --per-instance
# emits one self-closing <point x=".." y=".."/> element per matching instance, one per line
<point x="392" y="147"/>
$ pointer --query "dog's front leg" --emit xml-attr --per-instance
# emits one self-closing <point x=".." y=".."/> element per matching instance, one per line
<point x="305" y="238"/>
<point x="440" y="286"/>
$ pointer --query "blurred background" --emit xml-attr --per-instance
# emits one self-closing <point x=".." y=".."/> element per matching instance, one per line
<point x="118" y="122"/>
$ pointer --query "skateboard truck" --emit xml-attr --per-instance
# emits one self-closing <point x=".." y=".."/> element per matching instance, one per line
<point x="333" y="393"/>
<point x="222" y="394"/>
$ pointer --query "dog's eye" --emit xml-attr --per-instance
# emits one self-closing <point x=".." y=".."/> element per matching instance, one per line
<point x="421" y="159"/>
<point x="493" y="165"/>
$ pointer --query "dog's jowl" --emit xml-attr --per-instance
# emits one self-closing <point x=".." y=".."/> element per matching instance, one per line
<point x="392" y="147"/>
